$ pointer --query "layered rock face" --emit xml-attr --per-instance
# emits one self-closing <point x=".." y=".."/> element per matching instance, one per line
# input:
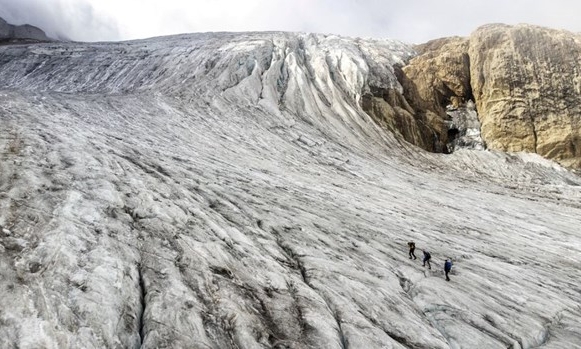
<point x="525" y="81"/>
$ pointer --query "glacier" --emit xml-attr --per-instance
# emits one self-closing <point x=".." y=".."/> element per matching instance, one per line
<point x="226" y="190"/>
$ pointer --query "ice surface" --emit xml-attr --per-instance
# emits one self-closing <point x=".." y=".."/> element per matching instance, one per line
<point x="227" y="191"/>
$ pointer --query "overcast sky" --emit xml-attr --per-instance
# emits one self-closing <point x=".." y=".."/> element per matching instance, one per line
<point x="413" y="21"/>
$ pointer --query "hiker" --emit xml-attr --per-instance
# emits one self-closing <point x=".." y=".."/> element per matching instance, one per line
<point x="427" y="257"/>
<point x="447" y="268"/>
<point x="412" y="246"/>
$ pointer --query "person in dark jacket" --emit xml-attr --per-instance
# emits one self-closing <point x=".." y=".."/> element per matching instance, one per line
<point x="412" y="246"/>
<point x="427" y="258"/>
<point x="447" y="268"/>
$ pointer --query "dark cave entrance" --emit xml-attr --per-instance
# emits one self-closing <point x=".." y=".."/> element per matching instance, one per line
<point x="453" y="133"/>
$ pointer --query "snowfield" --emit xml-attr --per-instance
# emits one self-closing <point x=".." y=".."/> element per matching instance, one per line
<point x="227" y="191"/>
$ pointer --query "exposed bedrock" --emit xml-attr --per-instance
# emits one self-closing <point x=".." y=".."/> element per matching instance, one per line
<point x="390" y="109"/>
<point x="525" y="81"/>
<point x="440" y="74"/>
<point x="20" y="33"/>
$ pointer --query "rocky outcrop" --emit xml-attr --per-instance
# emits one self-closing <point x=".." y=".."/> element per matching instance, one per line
<point x="441" y="73"/>
<point x="9" y="32"/>
<point x="525" y="81"/>
<point x="391" y="110"/>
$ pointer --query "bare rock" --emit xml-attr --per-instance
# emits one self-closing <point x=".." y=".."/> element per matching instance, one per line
<point x="9" y="32"/>
<point x="527" y="84"/>
<point x="439" y="76"/>
<point x="441" y="73"/>
<point x="391" y="110"/>
<point x="525" y="81"/>
<point x="5" y="29"/>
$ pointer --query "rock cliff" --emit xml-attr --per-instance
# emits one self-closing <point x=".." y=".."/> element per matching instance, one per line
<point x="16" y="33"/>
<point x="527" y="85"/>
<point x="525" y="81"/>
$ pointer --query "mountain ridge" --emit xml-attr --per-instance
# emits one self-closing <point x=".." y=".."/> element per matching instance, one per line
<point x="21" y="33"/>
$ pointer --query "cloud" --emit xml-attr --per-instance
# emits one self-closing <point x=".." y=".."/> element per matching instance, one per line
<point x="74" y="19"/>
<point x="411" y="20"/>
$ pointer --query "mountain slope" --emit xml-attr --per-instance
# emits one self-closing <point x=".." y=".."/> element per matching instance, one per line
<point x="229" y="191"/>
